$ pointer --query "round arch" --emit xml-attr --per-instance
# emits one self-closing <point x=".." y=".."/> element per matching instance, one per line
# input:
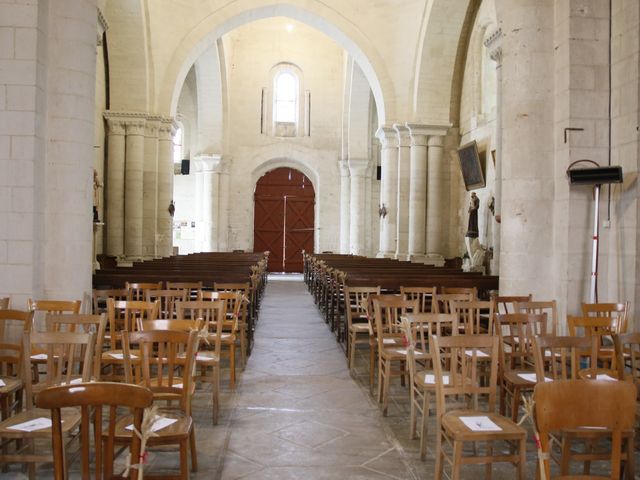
<point x="313" y="13"/>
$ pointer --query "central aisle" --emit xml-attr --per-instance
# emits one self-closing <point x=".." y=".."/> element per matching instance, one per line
<point x="297" y="413"/>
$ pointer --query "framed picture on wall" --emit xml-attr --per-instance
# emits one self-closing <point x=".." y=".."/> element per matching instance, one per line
<point x="471" y="166"/>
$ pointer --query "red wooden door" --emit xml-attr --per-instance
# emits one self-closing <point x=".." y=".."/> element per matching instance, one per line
<point x="284" y="218"/>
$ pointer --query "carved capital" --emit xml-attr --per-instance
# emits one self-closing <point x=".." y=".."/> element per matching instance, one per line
<point x="358" y="166"/>
<point x="388" y="137"/>
<point x="493" y="43"/>
<point x="208" y="163"/>
<point x="404" y="136"/>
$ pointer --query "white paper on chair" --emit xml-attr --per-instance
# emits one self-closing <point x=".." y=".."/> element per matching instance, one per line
<point x="430" y="378"/>
<point x="532" y="377"/>
<point x="479" y="353"/>
<point x="604" y="376"/>
<point x="120" y="356"/>
<point x="158" y="424"/>
<point x="39" y="356"/>
<point x="480" y="424"/>
<point x="388" y="341"/>
<point x="32" y="425"/>
<point x="2" y="384"/>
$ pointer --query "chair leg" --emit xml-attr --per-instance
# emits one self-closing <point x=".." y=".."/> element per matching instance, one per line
<point x="487" y="466"/>
<point x="215" y="392"/>
<point x="194" y="451"/>
<point x="423" y="426"/>
<point x="457" y="456"/>
<point x="385" y="389"/>
<point x="523" y="459"/>
<point x="184" y="459"/>
<point x="372" y="366"/>
<point x="232" y="366"/>
<point x="350" y="351"/>
<point x="439" y="452"/>
<point x="564" y="460"/>
<point x="630" y="467"/>
<point x="515" y="404"/>
<point x="412" y="412"/>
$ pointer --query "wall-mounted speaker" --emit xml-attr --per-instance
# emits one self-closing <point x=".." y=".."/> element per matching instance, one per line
<point x="378" y="172"/>
<point x="184" y="168"/>
<point x="595" y="175"/>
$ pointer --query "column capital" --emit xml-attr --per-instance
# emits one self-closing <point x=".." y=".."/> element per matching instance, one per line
<point x="167" y="129"/>
<point x="435" y="141"/>
<point x="151" y="127"/>
<point x="388" y="137"/>
<point x="404" y="136"/>
<point x="136" y="126"/>
<point x="208" y="163"/>
<point x="493" y="43"/>
<point x="428" y="129"/>
<point x="358" y="166"/>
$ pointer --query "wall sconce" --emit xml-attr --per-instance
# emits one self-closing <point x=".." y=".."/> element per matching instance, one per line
<point x="382" y="211"/>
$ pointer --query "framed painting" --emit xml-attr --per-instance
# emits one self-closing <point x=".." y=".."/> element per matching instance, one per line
<point x="471" y="166"/>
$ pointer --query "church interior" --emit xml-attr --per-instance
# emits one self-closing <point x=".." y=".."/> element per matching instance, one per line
<point x="305" y="167"/>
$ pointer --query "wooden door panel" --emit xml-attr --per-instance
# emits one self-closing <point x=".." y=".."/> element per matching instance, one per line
<point x="268" y="228"/>
<point x="299" y="216"/>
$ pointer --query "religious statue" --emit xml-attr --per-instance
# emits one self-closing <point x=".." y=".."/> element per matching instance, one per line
<point x="474" y="205"/>
<point x="96" y="196"/>
<point x="172" y="208"/>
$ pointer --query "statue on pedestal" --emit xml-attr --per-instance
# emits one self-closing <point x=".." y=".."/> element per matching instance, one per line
<point x="474" y="205"/>
<point x="96" y="196"/>
<point x="475" y="250"/>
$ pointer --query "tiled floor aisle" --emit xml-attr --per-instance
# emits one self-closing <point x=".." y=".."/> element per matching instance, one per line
<point x="297" y="413"/>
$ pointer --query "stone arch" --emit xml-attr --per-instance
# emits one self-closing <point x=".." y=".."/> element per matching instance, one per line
<point x="437" y="57"/>
<point x="312" y="13"/>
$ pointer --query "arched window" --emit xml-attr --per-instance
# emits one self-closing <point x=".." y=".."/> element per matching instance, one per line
<point x="177" y="145"/>
<point x="285" y="97"/>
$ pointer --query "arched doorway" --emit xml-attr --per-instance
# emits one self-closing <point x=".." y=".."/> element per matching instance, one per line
<point x="283" y="221"/>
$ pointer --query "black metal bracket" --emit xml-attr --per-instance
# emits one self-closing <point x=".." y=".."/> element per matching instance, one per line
<point x="571" y="129"/>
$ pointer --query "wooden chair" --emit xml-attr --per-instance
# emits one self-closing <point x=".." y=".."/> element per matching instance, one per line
<point x="539" y="307"/>
<point x="474" y="317"/>
<point x="517" y="373"/>
<point x="229" y="335"/>
<point x="420" y="327"/>
<point x="13" y="325"/>
<point x="163" y="369"/>
<point x="81" y="323"/>
<point x="100" y="296"/>
<point x="507" y="303"/>
<point x="563" y="358"/>
<point x="482" y="425"/>
<point x="244" y="323"/>
<point x="122" y="316"/>
<point x="91" y="398"/>
<point x="575" y="404"/>
<point x="355" y="307"/>
<point x="442" y="301"/>
<point x="617" y="312"/>
<point x="603" y="328"/>
<point x="51" y="306"/>
<point x="425" y="296"/>
<point x="4" y="303"/>
<point x="137" y="290"/>
<point x="193" y="288"/>
<point x="627" y="347"/>
<point x="63" y="366"/>
<point x="387" y="313"/>
<point x="212" y="314"/>
<point x="166" y="301"/>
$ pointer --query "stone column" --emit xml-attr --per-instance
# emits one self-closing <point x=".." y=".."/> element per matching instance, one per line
<point x="494" y="45"/>
<point x="133" y="187"/>
<point x="164" y="237"/>
<point x="388" y="196"/>
<point x="223" y="206"/>
<point x="435" y="199"/>
<point x="210" y="190"/>
<point x="417" y="192"/>
<point x="150" y="188"/>
<point x="402" y="216"/>
<point x="114" y="194"/>
<point x="358" y="213"/>
<point x="196" y="169"/>
<point x="345" y="197"/>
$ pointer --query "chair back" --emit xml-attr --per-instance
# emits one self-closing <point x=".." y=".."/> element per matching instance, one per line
<point x="174" y="324"/>
<point x="42" y="307"/>
<point x="539" y="307"/>
<point x="561" y="358"/>
<point x="212" y="313"/>
<point x="356" y="303"/>
<point x="627" y="347"/>
<point x="570" y="404"/>
<point x="82" y="323"/>
<point x="442" y="301"/>
<point x="516" y="332"/>
<point x="100" y="297"/>
<point x="507" y="303"/>
<point x="616" y="312"/>
<point x="474" y="317"/>
<point x="92" y="398"/>
<point x="166" y="363"/>
<point x="138" y="290"/>
<point x="193" y="288"/>
<point x="418" y="329"/>
<point x="244" y="289"/>
<point x="166" y="300"/>
<point x="13" y="325"/>
<point x="466" y="359"/>
<point x="424" y="295"/>
<point x="69" y="359"/>
<point x="473" y="291"/>
<point x="5" y="302"/>
<point x="387" y="312"/>
<point x="124" y="315"/>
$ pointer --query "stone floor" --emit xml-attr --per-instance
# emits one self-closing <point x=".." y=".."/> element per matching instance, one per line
<point x="298" y="413"/>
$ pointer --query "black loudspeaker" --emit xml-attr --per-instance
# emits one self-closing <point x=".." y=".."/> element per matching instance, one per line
<point x="595" y="176"/>
<point x="184" y="168"/>
<point x="378" y="172"/>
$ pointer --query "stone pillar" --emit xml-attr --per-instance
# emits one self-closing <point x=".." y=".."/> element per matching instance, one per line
<point x="417" y="192"/>
<point x="114" y="195"/>
<point x="358" y="213"/>
<point x="164" y="237"/>
<point x="134" y="161"/>
<point x="494" y="45"/>
<point x="150" y="188"/>
<point x="402" y="215"/>
<point x="196" y="169"/>
<point x="223" y="206"/>
<point x="435" y="200"/>
<point x="345" y="198"/>
<point x="388" y="195"/>
<point x="210" y="190"/>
